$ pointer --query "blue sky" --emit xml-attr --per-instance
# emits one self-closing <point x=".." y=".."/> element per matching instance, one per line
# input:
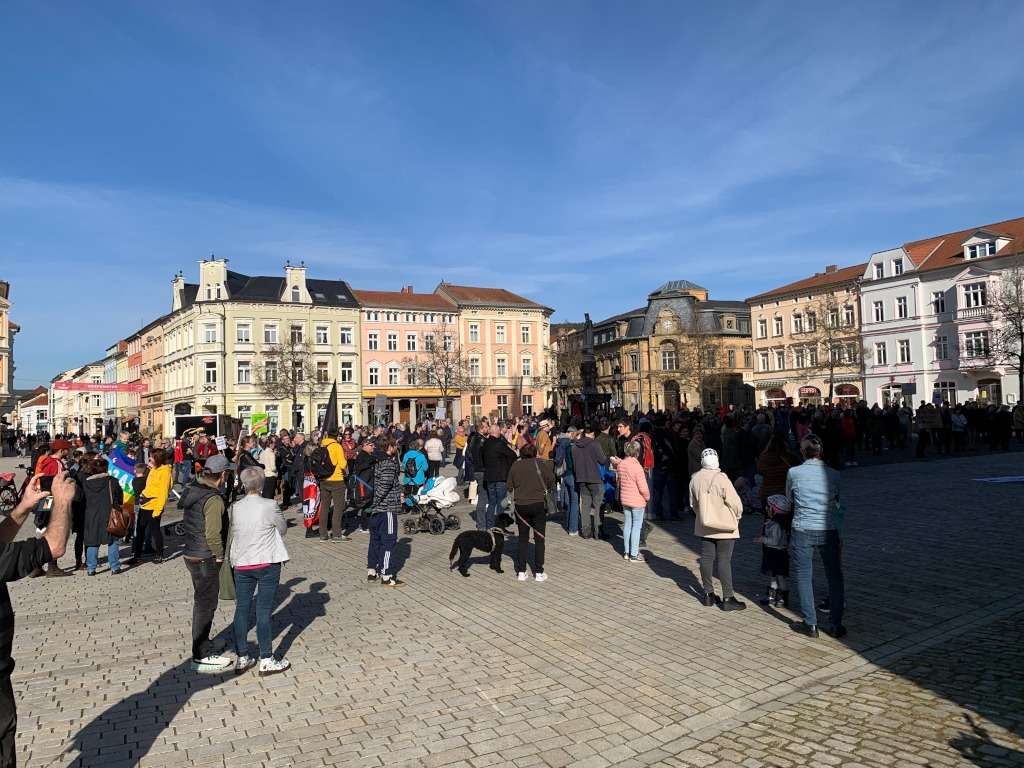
<point x="578" y="153"/>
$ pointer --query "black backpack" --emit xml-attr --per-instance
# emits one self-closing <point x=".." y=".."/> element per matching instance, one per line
<point x="410" y="468"/>
<point x="320" y="463"/>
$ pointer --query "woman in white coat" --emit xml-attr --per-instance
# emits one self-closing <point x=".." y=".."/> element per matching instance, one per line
<point x="718" y="509"/>
<point x="257" y="553"/>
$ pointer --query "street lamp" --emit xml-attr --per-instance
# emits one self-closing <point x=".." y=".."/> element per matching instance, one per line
<point x="563" y="386"/>
<point x="617" y="379"/>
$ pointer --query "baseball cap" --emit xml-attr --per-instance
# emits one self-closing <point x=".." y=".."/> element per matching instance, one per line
<point x="217" y="464"/>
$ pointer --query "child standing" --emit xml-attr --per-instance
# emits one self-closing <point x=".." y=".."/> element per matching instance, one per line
<point x="774" y="539"/>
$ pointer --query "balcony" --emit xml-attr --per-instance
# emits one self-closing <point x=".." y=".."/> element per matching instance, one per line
<point x="974" y="313"/>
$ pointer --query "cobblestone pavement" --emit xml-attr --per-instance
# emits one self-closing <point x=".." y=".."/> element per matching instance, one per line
<point x="607" y="663"/>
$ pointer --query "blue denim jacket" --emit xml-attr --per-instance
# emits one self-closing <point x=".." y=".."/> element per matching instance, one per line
<point x="813" y="488"/>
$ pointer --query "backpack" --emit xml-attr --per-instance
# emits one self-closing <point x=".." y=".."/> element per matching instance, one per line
<point x="646" y="457"/>
<point x="320" y="463"/>
<point x="410" y="468"/>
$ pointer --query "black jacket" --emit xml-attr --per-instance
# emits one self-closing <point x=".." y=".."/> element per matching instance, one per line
<point x="193" y="501"/>
<point x="473" y="449"/>
<point x="100" y="490"/>
<point x="498" y="458"/>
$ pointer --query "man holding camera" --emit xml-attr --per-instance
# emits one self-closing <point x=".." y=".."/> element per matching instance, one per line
<point x="17" y="560"/>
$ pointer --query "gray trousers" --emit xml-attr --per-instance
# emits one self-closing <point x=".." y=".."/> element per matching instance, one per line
<point x="712" y="552"/>
<point x="591" y="498"/>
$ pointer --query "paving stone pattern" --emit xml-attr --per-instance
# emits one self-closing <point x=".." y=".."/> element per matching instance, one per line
<point x="607" y="663"/>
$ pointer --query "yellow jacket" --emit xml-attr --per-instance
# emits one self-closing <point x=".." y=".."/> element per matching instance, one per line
<point x="337" y="454"/>
<point x="158" y="486"/>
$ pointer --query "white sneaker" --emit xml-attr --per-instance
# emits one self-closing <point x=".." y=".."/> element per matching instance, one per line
<point x="541" y="577"/>
<point x="211" y="665"/>
<point x="273" y="666"/>
<point x="244" y="664"/>
<point x="574" y="533"/>
<point x="626" y="558"/>
<point x="521" y="576"/>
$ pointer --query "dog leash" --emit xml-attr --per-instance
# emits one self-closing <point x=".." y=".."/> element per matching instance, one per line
<point x="535" y="531"/>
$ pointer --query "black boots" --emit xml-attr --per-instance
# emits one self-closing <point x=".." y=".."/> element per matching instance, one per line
<point x="710" y="599"/>
<point x="732" y="604"/>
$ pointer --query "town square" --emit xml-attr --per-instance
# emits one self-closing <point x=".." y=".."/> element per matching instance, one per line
<point x="511" y="384"/>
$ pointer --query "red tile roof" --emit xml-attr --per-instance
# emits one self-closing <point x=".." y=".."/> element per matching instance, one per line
<point x="813" y="283"/>
<point x="948" y="250"/>
<point x="401" y="300"/>
<point x="468" y="294"/>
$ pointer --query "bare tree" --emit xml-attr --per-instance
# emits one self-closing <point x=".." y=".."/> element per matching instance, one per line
<point x="442" y="364"/>
<point x="829" y="342"/>
<point x="287" y="372"/>
<point x="1007" y="338"/>
<point x="701" y="356"/>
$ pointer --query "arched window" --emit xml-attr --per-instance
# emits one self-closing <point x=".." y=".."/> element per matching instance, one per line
<point x="669" y="359"/>
<point x="296" y="293"/>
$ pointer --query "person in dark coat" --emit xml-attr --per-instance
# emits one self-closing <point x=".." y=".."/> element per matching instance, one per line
<point x="102" y="493"/>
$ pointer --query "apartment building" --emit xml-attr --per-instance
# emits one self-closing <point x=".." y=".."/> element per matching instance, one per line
<point x="806" y="340"/>
<point x="928" y="319"/>
<point x="32" y="412"/>
<point x="76" y="410"/>
<point x="8" y="329"/>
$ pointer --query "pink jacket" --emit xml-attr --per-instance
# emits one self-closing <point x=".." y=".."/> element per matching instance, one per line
<point x="633" y="488"/>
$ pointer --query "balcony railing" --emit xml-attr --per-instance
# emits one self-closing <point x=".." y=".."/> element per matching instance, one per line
<point x="974" y="313"/>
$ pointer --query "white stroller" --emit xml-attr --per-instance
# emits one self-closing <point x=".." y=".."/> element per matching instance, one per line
<point x="436" y="495"/>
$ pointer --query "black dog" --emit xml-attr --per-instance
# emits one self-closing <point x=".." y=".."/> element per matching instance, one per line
<point x="492" y="541"/>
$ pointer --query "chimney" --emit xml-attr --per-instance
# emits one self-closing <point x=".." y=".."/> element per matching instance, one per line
<point x="407" y="289"/>
<point x="831" y="268"/>
<point x="177" y="291"/>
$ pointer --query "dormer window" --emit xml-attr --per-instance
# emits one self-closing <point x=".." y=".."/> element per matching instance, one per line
<point x="879" y="271"/>
<point x="981" y="249"/>
<point x="897" y="266"/>
<point x="296" y="293"/>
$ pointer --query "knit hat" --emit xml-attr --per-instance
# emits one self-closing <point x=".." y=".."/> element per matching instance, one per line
<point x="709" y="458"/>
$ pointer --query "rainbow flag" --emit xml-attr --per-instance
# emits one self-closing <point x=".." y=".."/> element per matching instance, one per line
<point x="121" y="467"/>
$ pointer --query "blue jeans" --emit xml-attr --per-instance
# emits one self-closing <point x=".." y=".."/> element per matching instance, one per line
<point x="262" y="581"/>
<point x="481" y="501"/>
<point x="496" y="491"/>
<point x="570" y="501"/>
<point x="802" y="545"/>
<point x="632" y="522"/>
<point x="92" y="557"/>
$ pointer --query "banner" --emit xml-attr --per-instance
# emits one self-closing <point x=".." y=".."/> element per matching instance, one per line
<point x="121" y="467"/>
<point x="259" y="424"/>
<point x="82" y="386"/>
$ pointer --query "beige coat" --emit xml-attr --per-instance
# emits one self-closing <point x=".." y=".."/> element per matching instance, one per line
<point x="712" y="486"/>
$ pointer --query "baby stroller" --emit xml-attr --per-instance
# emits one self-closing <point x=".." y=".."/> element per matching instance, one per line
<point x="428" y="517"/>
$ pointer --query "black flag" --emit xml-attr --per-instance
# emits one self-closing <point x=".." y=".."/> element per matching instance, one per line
<point x="331" y="414"/>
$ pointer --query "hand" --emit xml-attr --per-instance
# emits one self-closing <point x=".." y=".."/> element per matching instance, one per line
<point x="63" y="490"/>
<point x="33" y="493"/>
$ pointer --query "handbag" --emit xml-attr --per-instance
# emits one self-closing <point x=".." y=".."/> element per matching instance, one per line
<point x="773" y="535"/>
<point x="549" y="501"/>
<point x="120" y="520"/>
<point x="714" y="517"/>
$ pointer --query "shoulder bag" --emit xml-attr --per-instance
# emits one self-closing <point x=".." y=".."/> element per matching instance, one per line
<point x="120" y="521"/>
<point x="714" y="515"/>
<point x="549" y="500"/>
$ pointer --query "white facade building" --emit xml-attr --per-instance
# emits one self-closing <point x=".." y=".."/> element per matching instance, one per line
<point x="927" y="319"/>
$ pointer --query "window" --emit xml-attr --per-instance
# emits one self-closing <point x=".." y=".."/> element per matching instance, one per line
<point x="975" y="295"/>
<point x="848" y="315"/>
<point x="372" y="315"/>
<point x="244" y="372"/>
<point x="373" y="341"/>
<point x="272" y="418"/>
<point x="762" y="328"/>
<point x="901" y="307"/>
<point x="812" y="322"/>
<point x="474" y="367"/>
<point x="499" y="333"/>
<point x="527" y="405"/>
<point x="209" y="333"/>
<point x="243" y="333"/>
<point x="393" y="374"/>
<point x="211" y="373"/>
<point x="748" y="358"/>
<point x="524" y="336"/>
<point x="527" y="367"/>
<point x="502" y="402"/>
<point x="780" y="359"/>
<point x="410" y="376"/>
<point x="946" y="391"/>
<point x="296" y="293"/>
<point x="763" y="360"/>
<point x="812" y="357"/>
<point x="270" y="333"/>
<point x="346" y="335"/>
<point x="799" y="358"/>
<point x="244" y="415"/>
<point x="392" y="341"/>
<point x="981" y="249"/>
<point x="711" y="357"/>
<point x="881" y="358"/>
<point x="346" y="372"/>
<point x="501" y="367"/>
<point x="942" y="347"/>
<point x="833" y="318"/>
<point x="323" y="374"/>
<point x="270" y="372"/>
<point x="373" y="374"/>
<point x="897" y="266"/>
<point x="449" y="343"/>
<point x="410" y="342"/>
<point x="474" y="332"/>
<point x="634" y="362"/>
<point x="476" y="409"/>
<point x="798" y="323"/>
<point x="669" y="361"/>
<point x="879" y="311"/>
<point x="938" y="302"/>
<point x="879" y="271"/>
<point x="777" y="326"/>
<point x="730" y="357"/>
<point x="730" y="324"/>
<point x="298" y="372"/>
<point x="976" y="344"/>
<point x="323" y="335"/>
<point x="297" y="333"/>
